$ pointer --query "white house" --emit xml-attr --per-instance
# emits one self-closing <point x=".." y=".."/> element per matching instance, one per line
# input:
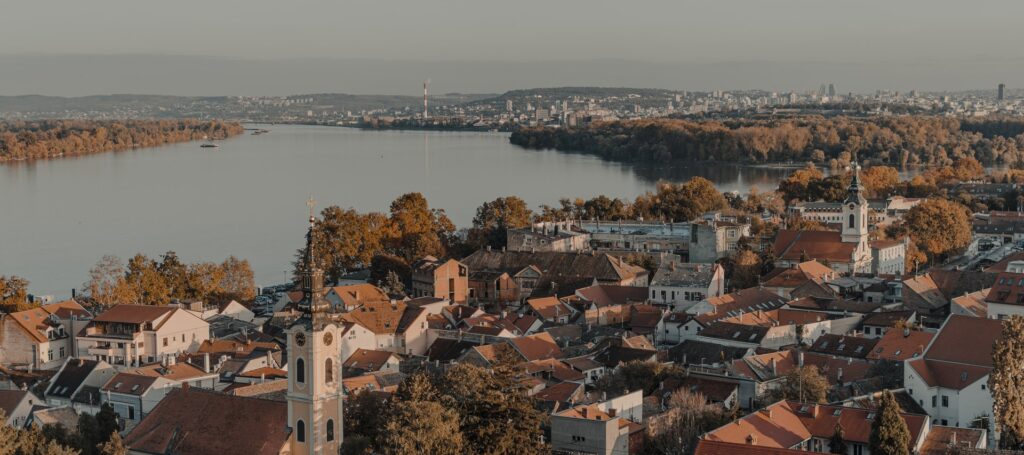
<point x="17" y="405"/>
<point x="134" y="335"/>
<point x="682" y="285"/>
<point x="950" y="381"/>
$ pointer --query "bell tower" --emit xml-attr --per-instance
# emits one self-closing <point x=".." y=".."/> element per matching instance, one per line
<point x="855" y="215"/>
<point x="314" y="373"/>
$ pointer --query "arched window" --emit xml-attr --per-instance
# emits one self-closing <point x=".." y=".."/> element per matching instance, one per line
<point x="300" y="371"/>
<point x="330" y="429"/>
<point x="851" y="221"/>
<point x="300" y="431"/>
<point x="328" y="371"/>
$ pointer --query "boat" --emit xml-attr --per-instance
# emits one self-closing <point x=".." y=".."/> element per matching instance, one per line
<point x="209" y="145"/>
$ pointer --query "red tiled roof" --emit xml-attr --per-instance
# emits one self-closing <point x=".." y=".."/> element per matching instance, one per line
<point x="36" y="320"/>
<point x="948" y="375"/>
<point x="745" y="300"/>
<point x="708" y="447"/>
<point x="133" y="314"/>
<point x="561" y="392"/>
<point x="191" y="421"/>
<point x="965" y="339"/>
<point x="549" y="307"/>
<point x="974" y="302"/>
<point x="788" y="423"/>
<point x="129" y="384"/>
<point x="822" y="245"/>
<point x="367" y="359"/>
<point x="537" y="346"/>
<point x="1008" y="289"/>
<point x="940" y="439"/>
<point x="894" y="345"/>
<point x="798" y="274"/>
<point x="603" y="295"/>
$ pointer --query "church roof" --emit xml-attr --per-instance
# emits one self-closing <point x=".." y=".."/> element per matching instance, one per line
<point x="821" y="245"/>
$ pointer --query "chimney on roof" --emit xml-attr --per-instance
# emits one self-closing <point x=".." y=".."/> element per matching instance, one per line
<point x="263" y="378"/>
<point x="814" y="411"/>
<point x="604" y="396"/>
<point x="839" y="375"/>
<point x="800" y="358"/>
<point x="772" y="366"/>
<point x="206" y="362"/>
<point x="906" y="332"/>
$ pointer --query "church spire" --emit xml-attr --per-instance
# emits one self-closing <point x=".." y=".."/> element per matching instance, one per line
<point x="855" y="191"/>
<point x="312" y="276"/>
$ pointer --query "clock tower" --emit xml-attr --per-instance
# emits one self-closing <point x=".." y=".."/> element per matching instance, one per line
<point x="314" y="373"/>
<point x="855" y="221"/>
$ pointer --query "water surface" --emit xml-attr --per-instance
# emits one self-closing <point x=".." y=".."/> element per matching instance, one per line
<point x="247" y="198"/>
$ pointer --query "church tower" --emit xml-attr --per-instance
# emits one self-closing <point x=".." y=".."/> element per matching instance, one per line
<point x="314" y="373"/>
<point x="855" y="215"/>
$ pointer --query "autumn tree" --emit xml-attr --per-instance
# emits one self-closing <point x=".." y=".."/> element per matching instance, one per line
<point x="939" y="228"/>
<point x="19" y="441"/>
<point x="746" y="269"/>
<point x="423" y="427"/>
<point x="147" y="283"/>
<point x="680" y="202"/>
<point x="880" y="181"/>
<point x="114" y="446"/>
<point x="495" y="217"/>
<point x="345" y="239"/>
<point x="419" y="230"/>
<point x="393" y="284"/>
<point x="688" y="416"/>
<point x="889" y="433"/>
<point x="107" y="283"/>
<point x="1004" y="382"/>
<point x="13" y="294"/>
<point x="798" y="184"/>
<point x="237" y="282"/>
<point x="804" y="384"/>
<point x="366" y="415"/>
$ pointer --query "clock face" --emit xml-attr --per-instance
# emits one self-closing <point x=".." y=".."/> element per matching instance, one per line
<point x="328" y="338"/>
<point x="300" y="339"/>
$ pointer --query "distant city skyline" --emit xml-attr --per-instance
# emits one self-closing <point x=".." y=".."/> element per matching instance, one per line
<point x="274" y="48"/>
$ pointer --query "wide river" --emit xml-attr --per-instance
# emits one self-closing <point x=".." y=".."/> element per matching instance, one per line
<point x="248" y="197"/>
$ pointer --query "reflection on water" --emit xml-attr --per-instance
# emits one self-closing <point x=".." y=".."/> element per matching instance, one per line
<point x="247" y="197"/>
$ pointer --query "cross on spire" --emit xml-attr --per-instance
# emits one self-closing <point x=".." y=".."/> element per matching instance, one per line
<point x="311" y="203"/>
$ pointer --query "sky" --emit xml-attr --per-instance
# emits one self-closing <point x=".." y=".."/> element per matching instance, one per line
<point x="208" y="47"/>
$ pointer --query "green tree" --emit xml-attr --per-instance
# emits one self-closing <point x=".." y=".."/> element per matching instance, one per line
<point x="366" y="414"/>
<point x="1004" y="381"/>
<point x="175" y="275"/>
<point x="889" y="433"/>
<point x="393" y="284"/>
<point x="494" y="218"/>
<point x="495" y="414"/>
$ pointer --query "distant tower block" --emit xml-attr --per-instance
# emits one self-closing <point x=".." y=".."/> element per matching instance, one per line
<point x="1002" y="89"/>
<point x="425" y="84"/>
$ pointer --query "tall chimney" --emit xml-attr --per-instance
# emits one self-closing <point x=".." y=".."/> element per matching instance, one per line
<point x="206" y="362"/>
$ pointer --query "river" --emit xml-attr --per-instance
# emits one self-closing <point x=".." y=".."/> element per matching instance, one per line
<point x="248" y="197"/>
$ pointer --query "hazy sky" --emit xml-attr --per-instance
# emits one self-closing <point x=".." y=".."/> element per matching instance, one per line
<point x="927" y="44"/>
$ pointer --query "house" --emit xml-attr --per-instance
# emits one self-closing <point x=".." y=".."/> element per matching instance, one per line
<point x="844" y="346"/>
<point x="133" y="335"/>
<point x="1006" y="297"/>
<point x="882" y="212"/>
<point x="930" y="293"/>
<point x="901" y="345"/>
<point x="591" y="369"/>
<point x="548" y="236"/>
<point x="536" y="347"/>
<point x="554" y="370"/>
<point x="397" y="327"/>
<point x="950" y="381"/>
<point x="77" y="384"/>
<point x="783" y="281"/>
<point x="365" y="361"/>
<point x="761" y="373"/>
<point x="605" y="428"/>
<point x="133" y="396"/>
<point x="350" y="296"/>
<point x="742" y="301"/>
<point x="448" y="280"/>
<point x="874" y="325"/>
<point x="970" y="304"/>
<point x="550" y="309"/>
<point x="192" y="421"/>
<point x="806" y="427"/>
<point x="41" y="338"/>
<point x="181" y="373"/>
<point x="604" y="295"/>
<point x="681" y="285"/>
<point x="16" y="406"/>
<point x="527" y="269"/>
<point x="706" y="353"/>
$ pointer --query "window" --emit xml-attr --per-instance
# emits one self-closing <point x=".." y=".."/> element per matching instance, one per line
<point x="165" y="341"/>
<point x="62" y="356"/>
<point x="851" y="221"/>
<point x="300" y="372"/>
<point x="933" y="400"/>
<point x="300" y="431"/>
<point x="328" y="371"/>
<point x="131" y="413"/>
<point x="49" y="355"/>
<point x="945" y="402"/>
<point x="330" y="428"/>
<point x="945" y="422"/>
